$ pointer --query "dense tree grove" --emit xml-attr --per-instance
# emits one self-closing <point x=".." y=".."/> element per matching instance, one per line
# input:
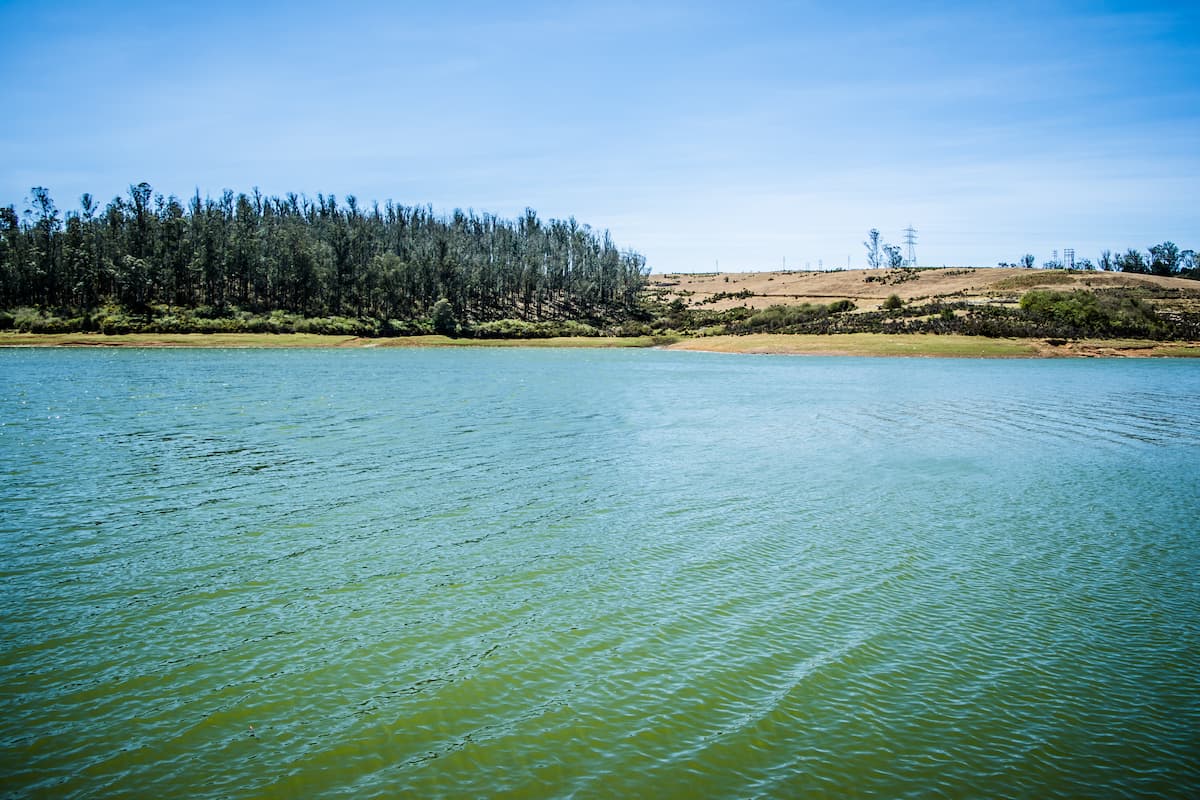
<point x="309" y="258"/>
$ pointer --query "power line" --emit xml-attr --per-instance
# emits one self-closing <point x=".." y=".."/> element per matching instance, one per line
<point x="910" y="242"/>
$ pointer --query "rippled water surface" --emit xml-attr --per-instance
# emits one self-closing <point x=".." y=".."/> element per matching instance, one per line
<point x="540" y="573"/>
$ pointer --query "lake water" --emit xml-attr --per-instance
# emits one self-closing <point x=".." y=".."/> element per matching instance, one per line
<point x="547" y="573"/>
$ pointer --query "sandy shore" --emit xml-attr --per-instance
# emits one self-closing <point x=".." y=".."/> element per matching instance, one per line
<point x="855" y="344"/>
<point x="930" y="346"/>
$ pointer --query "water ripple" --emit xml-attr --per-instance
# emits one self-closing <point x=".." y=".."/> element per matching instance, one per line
<point x="596" y="574"/>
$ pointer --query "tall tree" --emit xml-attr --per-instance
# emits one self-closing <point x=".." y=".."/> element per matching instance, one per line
<point x="1132" y="261"/>
<point x="1164" y="258"/>
<point x="872" y="245"/>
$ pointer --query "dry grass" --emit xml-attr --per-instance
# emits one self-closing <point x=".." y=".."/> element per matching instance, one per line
<point x="979" y="285"/>
<point x="1030" y="279"/>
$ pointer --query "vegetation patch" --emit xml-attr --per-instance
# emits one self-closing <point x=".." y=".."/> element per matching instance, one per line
<point x="894" y="276"/>
<point x="1031" y="279"/>
<point x="520" y="329"/>
<point x="1094" y="313"/>
<point x="783" y="318"/>
<point x="744" y="294"/>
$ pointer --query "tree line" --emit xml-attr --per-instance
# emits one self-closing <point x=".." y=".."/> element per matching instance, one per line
<point x="1164" y="259"/>
<point x="312" y="258"/>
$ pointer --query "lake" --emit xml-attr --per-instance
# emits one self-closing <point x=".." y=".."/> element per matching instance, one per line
<point x="580" y="573"/>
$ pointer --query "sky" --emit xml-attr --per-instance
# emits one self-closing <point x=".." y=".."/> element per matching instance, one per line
<point x="706" y="136"/>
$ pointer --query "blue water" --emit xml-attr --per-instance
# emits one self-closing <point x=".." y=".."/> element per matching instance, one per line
<point x="578" y="573"/>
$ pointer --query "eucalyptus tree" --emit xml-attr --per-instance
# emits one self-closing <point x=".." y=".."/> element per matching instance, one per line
<point x="43" y="254"/>
<point x="310" y="257"/>
<point x="1164" y="258"/>
<point x="1132" y="261"/>
<point x="872" y="244"/>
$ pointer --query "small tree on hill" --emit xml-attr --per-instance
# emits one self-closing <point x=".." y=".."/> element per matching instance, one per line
<point x="1164" y="258"/>
<point x="1131" y="261"/>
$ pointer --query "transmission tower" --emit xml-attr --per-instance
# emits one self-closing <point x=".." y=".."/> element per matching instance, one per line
<point x="1069" y="257"/>
<point x="910" y="246"/>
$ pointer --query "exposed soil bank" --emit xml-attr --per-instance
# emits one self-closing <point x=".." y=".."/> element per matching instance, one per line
<point x="856" y="344"/>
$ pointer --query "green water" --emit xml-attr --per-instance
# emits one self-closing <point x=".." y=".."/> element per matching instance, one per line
<point x="539" y="573"/>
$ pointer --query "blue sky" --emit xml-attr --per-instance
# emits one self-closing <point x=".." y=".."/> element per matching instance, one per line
<point x="700" y="134"/>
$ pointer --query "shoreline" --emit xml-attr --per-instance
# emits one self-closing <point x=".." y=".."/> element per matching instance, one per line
<point x="918" y="345"/>
<point x="850" y="344"/>
<point x="285" y="341"/>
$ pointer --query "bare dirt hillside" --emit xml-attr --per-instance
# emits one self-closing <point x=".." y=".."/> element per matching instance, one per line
<point x="869" y="288"/>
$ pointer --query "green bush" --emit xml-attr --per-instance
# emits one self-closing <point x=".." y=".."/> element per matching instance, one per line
<point x="505" y="329"/>
<point x="520" y="329"/>
<point x="572" y="327"/>
<point x="631" y="329"/>
<point x="443" y="319"/>
<point x="257" y="325"/>
<point x="398" y="327"/>
<point x="338" y="326"/>
<point x="892" y="303"/>
<point x="1092" y="313"/>
<point x="779" y="316"/>
<point x="782" y="318"/>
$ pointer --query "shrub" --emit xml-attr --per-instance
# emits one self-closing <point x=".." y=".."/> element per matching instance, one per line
<point x="892" y="303"/>
<point x="520" y="329"/>
<point x="1091" y="313"/>
<point x="632" y="329"/>
<point x="400" y="327"/>
<point x="572" y="327"/>
<point x="443" y="319"/>
<point x="506" y="329"/>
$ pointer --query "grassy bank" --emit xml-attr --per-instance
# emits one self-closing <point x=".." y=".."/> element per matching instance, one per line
<point x="293" y="340"/>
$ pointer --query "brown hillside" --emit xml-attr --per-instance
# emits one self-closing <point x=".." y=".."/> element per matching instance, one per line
<point x="869" y="288"/>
